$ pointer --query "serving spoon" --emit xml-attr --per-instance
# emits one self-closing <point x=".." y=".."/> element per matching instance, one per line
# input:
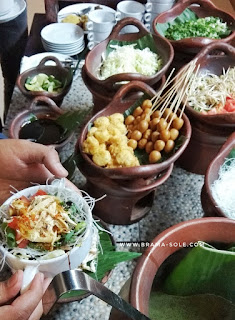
<point x="77" y="280"/>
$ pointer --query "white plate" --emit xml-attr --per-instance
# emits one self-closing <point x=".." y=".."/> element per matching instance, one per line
<point x="62" y="34"/>
<point x="18" y="7"/>
<point x="33" y="61"/>
<point x="62" y="48"/>
<point x="59" y="46"/>
<point x="76" y="8"/>
<point x="70" y="52"/>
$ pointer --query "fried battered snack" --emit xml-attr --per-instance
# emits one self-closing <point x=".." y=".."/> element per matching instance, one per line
<point x="107" y="142"/>
<point x="76" y="19"/>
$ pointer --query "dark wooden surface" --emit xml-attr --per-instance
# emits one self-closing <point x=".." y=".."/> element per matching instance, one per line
<point x="34" y="44"/>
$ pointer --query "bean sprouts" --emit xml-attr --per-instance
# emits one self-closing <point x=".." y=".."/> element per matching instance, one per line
<point x="209" y="90"/>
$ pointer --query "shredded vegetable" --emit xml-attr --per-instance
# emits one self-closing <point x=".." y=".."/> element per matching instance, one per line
<point x="127" y="59"/>
<point x="210" y="93"/>
<point x="209" y="27"/>
<point x="223" y="188"/>
<point x="43" y="82"/>
<point x="43" y="225"/>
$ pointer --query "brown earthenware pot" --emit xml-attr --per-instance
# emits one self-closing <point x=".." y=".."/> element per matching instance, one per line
<point x="209" y="132"/>
<point x="60" y="73"/>
<point x="209" y="204"/>
<point x="42" y="108"/>
<point x="186" y="49"/>
<point x="94" y="57"/>
<point x="129" y="191"/>
<point x="102" y="97"/>
<point x="210" y="229"/>
<point x="202" y="8"/>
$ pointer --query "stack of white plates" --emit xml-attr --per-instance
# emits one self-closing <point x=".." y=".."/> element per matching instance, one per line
<point x="65" y="38"/>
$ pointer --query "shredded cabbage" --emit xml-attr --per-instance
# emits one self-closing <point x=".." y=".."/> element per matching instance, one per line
<point x="127" y="59"/>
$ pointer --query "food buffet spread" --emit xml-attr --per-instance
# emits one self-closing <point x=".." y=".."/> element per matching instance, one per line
<point x="131" y="157"/>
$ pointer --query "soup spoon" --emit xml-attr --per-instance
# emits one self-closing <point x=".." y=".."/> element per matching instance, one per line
<point x="77" y="280"/>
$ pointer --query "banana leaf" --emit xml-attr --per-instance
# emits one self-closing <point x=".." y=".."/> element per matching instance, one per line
<point x="186" y="15"/>
<point x="108" y="258"/>
<point x="196" y="307"/>
<point x="230" y="156"/>
<point x="141" y="43"/>
<point x="204" y="269"/>
<point x="131" y="109"/>
<point x="71" y="120"/>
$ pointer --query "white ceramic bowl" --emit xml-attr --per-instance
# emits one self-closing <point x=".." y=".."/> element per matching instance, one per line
<point x="66" y="261"/>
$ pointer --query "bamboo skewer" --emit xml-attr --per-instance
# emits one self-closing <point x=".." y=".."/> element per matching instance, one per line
<point x="175" y="94"/>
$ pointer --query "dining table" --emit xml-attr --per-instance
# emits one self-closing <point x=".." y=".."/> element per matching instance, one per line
<point x="177" y="200"/>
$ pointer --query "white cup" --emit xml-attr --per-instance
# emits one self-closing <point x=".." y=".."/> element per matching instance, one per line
<point x="91" y="44"/>
<point x="5" y="6"/>
<point x="101" y="21"/>
<point x="97" y="36"/>
<point x="158" y="7"/>
<point x="148" y="17"/>
<point x="130" y="9"/>
<point x="53" y="266"/>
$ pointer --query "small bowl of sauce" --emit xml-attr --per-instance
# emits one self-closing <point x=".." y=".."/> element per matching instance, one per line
<point x="39" y="124"/>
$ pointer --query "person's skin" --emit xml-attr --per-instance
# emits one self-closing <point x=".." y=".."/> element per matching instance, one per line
<point x="21" y="307"/>
<point x="22" y="163"/>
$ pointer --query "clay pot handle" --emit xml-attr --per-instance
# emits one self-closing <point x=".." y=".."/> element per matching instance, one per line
<point x="157" y="182"/>
<point x="48" y="102"/>
<point x="50" y="58"/>
<point x="138" y="85"/>
<point x="221" y="46"/>
<point x="115" y="34"/>
<point x="207" y="4"/>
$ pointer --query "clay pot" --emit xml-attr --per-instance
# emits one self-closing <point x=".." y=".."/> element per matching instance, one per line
<point x="43" y="108"/>
<point x="129" y="191"/>
<point x="61" y="73"/>
<point x="94" y="57"/>
<point x="186" y="49"/>
<point x="209" y="204"/>
<point x="209" y="229"/>
<point x="102" y="98"/>
<point x="209" y="132"/>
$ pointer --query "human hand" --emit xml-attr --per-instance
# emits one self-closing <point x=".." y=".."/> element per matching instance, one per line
<point x="26" y="306"/>
<point x="23" y="162"/>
